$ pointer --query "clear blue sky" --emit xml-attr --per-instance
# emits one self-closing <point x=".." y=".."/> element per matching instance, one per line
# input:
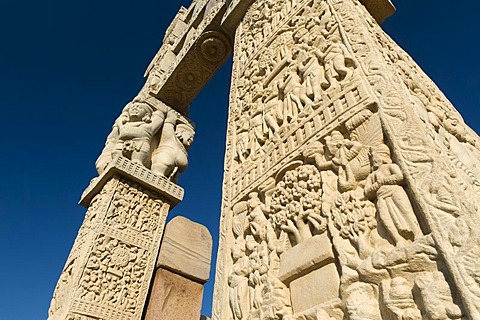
<point x="67" y="68"/>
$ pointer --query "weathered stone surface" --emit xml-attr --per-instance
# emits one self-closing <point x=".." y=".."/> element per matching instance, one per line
<point x="186" y="249"/>
<point x="311" y="254"/>
<point x="351" y="183"/>
<point x="108" y="272"/>
<point x="174" y="297"/>
<point x="335" y="134"/>
<point x="315" y="288"/>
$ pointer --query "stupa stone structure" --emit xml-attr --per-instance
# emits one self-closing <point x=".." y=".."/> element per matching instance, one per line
<point x="351" y="186"/>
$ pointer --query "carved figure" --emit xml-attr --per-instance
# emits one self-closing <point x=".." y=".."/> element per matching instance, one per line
<point x="136" y="127"/>
<point x="242" y="146"/>
<point x="257" y="130"/>
<point x="336" y="58"/>
<point x="257" y="213"/>
<point x="341" y="152"/>
<point x="272" y="112"/>
<point x="384" y="185"/>
<point x="436" y="297"/>
<point x="257" y="278"/>
<point x="277" y="303"/>
<point x="170" y="158"/>
<point x="132" y="134"/>
<point x="361" y="302"/>
<point x="294" y="93"/>
<point x="238" y="282"/>
<point x="313" y="74"/>
<point x="398" y="300"/>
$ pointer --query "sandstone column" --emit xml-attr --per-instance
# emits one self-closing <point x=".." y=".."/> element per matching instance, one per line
<point x="351" y="184"/>
<point x="108" y="272"/>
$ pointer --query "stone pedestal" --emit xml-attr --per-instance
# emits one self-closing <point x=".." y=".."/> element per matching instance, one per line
<point x="174" y="297"/>
<point x="108" y="272"/>
<point x="183" y="267"/>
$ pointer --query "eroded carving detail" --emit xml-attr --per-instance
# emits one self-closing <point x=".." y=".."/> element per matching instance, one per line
<point x="150" y="133"/>
<point x="108" y="273"/>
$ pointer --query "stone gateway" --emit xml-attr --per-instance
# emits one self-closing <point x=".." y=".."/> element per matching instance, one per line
<point x="351" y="186"/>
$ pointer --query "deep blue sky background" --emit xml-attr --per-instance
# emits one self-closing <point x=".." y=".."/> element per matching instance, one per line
<point x="67" y="68"/>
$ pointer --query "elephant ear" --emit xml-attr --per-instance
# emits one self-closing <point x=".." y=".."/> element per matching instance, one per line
<point x="239" y="218"/>
<point x="365" y="128"/>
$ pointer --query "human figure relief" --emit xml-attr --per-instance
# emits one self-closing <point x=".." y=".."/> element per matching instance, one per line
<point x="242" y="146"/>
<point x="436" y="297"/>
<point x="398" y="300"/>
<point x="238" y="281"/>
<point x="131" y="134"/>
<point x="313" y="74"/>
<point x="257" y="128"/>
<point x="341" y="152"/>
<point x="384" y="186"/>
<point x="170" y="158"/>
<point x="257" y="277"/>
<point x="257" y="216"/>
<point x="336" y="58"/>
<point x="272" y="112"/>
<point x="294" y="93"/>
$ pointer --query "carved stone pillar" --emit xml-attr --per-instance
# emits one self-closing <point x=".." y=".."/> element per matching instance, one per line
<point x="351" y="187"/>
<point x="108" y="272"/>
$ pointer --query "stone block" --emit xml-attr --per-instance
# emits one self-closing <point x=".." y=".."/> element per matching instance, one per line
<point x="379" y="9"/>
<point x="186" y="249"/>
<point x="311" y="254"/>
<point x="314" y="288"/>
<point x="174" y="297"/>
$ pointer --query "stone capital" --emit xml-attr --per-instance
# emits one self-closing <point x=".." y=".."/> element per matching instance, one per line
<point x="146" y="178"/>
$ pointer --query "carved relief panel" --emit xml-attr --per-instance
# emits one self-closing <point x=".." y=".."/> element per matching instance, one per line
<point x="320" y="219"/>
<point x="108" y="272"/>
<point x="433" y="146"/>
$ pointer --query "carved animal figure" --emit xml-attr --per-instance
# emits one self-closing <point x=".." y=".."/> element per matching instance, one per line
<point x="171" y="157"/>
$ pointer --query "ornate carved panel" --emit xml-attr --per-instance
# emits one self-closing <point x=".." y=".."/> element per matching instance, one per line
<point x="335" y="194"/>
<point x="108" y="272"/>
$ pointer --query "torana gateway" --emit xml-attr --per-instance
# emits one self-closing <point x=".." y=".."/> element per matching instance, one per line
<point x="351" y="186"/>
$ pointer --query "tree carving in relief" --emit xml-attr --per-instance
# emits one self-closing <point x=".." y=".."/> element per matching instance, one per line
<point x="431" y="140"/>
<point x="296" y="204"/>
<point x="347" y="185"/>
<point x="255" y="292"/>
